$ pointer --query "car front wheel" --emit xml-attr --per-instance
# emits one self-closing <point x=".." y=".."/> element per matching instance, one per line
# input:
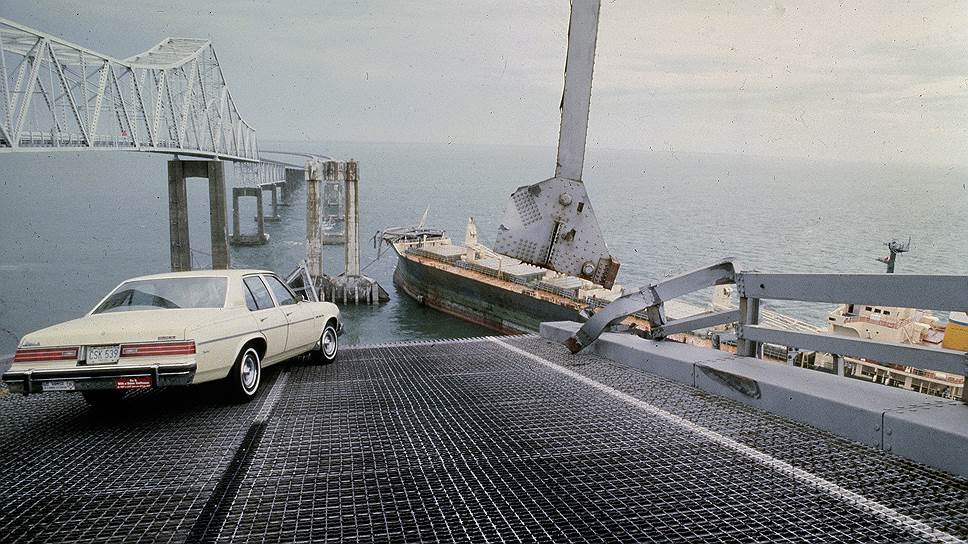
<point x="328" y="345"/>
<point x="243" y="380"/>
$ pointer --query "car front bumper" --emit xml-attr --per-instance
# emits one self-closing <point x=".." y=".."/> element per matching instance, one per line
<point x="85" y="378"/>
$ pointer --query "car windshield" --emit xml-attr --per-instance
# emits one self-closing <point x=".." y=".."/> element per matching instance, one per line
<point x="165" y="293"/>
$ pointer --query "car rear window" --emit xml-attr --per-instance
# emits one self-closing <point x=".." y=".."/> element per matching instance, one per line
<point x="165" y="293"/>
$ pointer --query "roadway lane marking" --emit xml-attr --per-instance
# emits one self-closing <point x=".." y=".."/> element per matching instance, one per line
<point x="208" y="524"/>
<point x="904" y="521"/>
<point x="272" y="398"/>
<point x="424" y="343"/>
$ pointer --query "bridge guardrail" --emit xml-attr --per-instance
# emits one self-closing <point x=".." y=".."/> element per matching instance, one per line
<point x="933" y="292"/>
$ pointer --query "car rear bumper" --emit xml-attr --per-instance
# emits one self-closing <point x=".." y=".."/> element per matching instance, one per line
<point x="90" y="378"/>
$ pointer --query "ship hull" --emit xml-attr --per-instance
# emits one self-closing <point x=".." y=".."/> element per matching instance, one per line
<point x="487" y="305"/>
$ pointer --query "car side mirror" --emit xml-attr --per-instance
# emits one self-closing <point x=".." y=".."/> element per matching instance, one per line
<point x="302" y="298"/>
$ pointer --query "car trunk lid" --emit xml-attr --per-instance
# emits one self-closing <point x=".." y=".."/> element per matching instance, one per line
<point x="123" y="327"/>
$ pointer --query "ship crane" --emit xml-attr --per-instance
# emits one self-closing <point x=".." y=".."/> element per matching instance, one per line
<point x="552" y="224"/>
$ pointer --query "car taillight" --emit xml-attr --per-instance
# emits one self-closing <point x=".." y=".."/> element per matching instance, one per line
<point x="158" y="349"/>
<point x="30" y="355"/>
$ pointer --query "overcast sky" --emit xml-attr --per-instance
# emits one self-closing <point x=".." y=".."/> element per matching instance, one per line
<point x="873" y="81"/>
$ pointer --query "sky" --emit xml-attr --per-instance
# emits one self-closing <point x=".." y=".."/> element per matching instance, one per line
<point x="862" y="81"/>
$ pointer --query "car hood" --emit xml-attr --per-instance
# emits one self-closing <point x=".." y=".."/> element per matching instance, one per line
<point x="121" y="327"/>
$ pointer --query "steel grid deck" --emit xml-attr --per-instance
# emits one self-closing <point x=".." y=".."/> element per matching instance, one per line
<point x="469" y="440"/>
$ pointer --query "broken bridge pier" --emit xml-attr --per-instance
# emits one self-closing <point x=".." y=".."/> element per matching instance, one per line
<point x="350" y="287"/>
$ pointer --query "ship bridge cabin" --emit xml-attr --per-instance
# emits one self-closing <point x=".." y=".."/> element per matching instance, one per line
<point x="891" y="324"/>
<point x="886" y="323"/>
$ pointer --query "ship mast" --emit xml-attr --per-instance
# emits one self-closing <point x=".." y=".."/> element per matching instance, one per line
<point x="895" y="248"/>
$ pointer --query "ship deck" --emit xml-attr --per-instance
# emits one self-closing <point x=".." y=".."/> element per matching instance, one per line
<point x="675" y="309"/>
<point x="487" y="439"/>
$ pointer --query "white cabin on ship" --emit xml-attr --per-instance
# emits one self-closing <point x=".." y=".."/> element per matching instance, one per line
<point x="901" y="325"/>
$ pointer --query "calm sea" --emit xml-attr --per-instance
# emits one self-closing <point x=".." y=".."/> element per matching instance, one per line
<point x="73" y="225"/>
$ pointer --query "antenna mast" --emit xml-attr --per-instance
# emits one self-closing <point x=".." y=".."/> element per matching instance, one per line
<point x="895" y="248"/>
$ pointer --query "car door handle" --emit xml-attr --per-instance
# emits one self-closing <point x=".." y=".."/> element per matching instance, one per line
<point x="263" y="318"/>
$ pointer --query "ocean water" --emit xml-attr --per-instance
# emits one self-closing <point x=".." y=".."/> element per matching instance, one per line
<point x="73" y="225"/>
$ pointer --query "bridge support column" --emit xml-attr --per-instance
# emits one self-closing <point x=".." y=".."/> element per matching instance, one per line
<point x="283" y="188"/>
<point x="314" y="247"/>
<point x="217" y="215"/>
<point x="181" y="253"/>
<point x="293" y="177"/>
<point x="352" y="219"/>
<point x="178" y="172"/>
<point x="260" y="237"/>
<point x="271" y="187"/>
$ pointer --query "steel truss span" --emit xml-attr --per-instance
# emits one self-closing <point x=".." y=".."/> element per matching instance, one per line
<point x="172" y="98"/>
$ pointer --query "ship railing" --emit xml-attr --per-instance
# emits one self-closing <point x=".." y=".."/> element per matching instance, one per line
<point x="886" y="323"/>
<point x="925" y="291"/>
<point x="561" y="292"/>
<point x="477" y="268"/>
<point x="499" y="274"/>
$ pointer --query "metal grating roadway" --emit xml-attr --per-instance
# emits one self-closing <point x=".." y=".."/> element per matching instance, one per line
<point x="477" y="440"/>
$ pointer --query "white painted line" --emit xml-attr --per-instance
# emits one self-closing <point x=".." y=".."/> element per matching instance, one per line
<point x="904" y="521"/>
<point x="272" y="398"/>
<point x="418" y="343"/>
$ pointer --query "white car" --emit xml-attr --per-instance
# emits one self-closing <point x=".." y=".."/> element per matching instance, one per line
<point x="177" y="329"/>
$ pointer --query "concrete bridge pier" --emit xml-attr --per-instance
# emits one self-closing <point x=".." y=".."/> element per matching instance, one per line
<point x="274" y="199"/>
<point x="292" y="178"/>
<point x="282" y="187"/>
<point x="178" y="172"/>
<point x="351" y="286"/>
<point x="352" y="208"/>
<point x="314" y="247"/>
<point x="260" y="237"/>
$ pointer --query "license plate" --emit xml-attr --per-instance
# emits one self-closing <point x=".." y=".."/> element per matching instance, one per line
<point x="60" y="385"/>
<point x="140" y="382"/>
<point x="101" y="355"/>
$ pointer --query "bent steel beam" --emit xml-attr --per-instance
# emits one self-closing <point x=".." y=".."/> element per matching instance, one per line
<point x="652" y="298"/>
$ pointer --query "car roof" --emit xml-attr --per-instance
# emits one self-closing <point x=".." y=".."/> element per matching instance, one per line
<point x="232" y="273"/>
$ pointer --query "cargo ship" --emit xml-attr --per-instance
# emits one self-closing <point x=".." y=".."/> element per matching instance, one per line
<point x="474" y="283"/>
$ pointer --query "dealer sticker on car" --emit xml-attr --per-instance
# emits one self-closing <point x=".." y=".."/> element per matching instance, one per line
<point x="58" y="385"/>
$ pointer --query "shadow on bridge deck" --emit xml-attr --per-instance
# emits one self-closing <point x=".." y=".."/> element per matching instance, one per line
<point x="480" y="439"/>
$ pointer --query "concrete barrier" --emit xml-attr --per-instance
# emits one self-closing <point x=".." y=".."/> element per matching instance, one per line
<point x="925" y="429"/>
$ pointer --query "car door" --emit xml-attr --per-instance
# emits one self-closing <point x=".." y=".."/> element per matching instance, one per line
<point x="304" y="329"/>
<point x="270" y="319"/>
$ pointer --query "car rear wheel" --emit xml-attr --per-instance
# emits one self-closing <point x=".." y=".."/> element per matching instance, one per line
<point x="103" y="398"/>
<point x="328" y="345"/>
<point x="243" y="381"/>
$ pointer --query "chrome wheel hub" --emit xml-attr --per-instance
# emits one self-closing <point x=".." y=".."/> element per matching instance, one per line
<point x="329" y="343"/>
<point x="250" y="372"/>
